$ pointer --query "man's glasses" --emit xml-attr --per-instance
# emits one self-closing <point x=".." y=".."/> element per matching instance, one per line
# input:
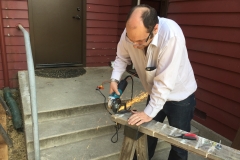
<point x="149" y="35"/>
<point x="140" y="42"/>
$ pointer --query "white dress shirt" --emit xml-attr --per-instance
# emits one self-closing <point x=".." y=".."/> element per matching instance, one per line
<point x="173" y="79"/>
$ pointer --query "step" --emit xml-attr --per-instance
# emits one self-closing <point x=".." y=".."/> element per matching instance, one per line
<point x="83" y="150"/>
<point x="56" y="96"/>
<point x="67" y="130"/>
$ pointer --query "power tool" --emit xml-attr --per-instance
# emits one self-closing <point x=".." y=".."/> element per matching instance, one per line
<point x="114" y="101"/>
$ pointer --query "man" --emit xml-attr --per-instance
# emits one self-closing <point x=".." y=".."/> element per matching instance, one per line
<point x="156" y="46"/>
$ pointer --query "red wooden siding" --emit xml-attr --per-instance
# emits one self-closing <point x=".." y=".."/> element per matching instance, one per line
<point x="104" y="22"/>
<point x="13" y="13"/>
<point x="212" y="31"/>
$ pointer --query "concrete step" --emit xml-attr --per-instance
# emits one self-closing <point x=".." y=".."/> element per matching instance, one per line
<point x="98" y="147"/>
<point x="68" y="130"/>
<point x="57" y="98"/>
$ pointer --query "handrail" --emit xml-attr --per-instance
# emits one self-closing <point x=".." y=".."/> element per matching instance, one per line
<point x="32" y="86"/>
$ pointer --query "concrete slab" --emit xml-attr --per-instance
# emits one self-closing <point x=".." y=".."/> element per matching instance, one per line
<point x="59" y="94"/>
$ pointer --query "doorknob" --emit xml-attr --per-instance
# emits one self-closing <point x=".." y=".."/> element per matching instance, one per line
<point x="76" y="17"/>
<point x="78" y="9"/>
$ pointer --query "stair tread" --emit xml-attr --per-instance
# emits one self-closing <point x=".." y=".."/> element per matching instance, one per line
<point x="84" y="150"/>
<point x="69" y="125"/>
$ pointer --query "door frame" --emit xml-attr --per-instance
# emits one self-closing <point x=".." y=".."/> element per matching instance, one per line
<point x="83" y="38"/>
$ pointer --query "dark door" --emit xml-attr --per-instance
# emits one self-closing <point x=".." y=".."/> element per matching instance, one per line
<point x="57" y="32"/>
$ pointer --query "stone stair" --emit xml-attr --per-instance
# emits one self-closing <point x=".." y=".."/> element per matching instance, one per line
<point x="73" y="122"/>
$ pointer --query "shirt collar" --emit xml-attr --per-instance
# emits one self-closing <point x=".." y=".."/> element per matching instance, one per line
<point x="155" y="39"/>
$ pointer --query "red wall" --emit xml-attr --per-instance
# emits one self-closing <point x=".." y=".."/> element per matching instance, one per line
<point x="212" y="31"/>
<point x="14" y="12"/>
<point x="105" y="22"/>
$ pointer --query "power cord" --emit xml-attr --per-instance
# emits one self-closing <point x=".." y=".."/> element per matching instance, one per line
<point x="117" y="126"/>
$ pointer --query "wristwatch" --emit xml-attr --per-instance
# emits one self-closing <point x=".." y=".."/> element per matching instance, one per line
<point x="114" y="80"/>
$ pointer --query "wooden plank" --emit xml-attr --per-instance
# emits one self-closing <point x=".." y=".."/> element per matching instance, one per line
<point x="128" y="149"/>
<point x="225" y="34"/>
<point x="102" y="31"/>
<point x="124" y="9"/>
<point x="101" y="45"/>
<point x="101" y="59"/>
<point x="213" y="19"/>
<point x="102" y="38"/>
<point x="102" y="9"/>
<point x="218" y="114"/>
<point x="202" y="146"/>
<point x="17" y="65"/>
<point x="219" y="75"/>
<point x="217" y="127"/>
<point x="214" y="60"/>
<point x="15" y="5"/>
<point x="104" y="2"/>
<point x="15" y="14"/>
<point x="236" y="141"/>
<point x="220" y="89"/>
<point x="12" y="23"/>
<point x="141" y="148"/>
<point x="3" y="152"/>
<point x="15" y="49"/>
<point x="102" y="16"/>
<point x="101" y="52"/>
<point x="215" y="47"/>
<point x="226" y="105"/>
<point x="14" y="41"/>
<point x="204" y="6"/>
<point x="122" y="18"/>
<point x="16" y="57"/>
<point x="13" y="32"/>
<point x="102" y="24"/>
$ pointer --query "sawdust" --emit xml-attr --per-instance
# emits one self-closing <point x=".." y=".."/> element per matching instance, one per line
<point x="18" y="151"/>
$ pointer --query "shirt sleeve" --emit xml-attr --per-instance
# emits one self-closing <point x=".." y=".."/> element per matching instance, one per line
<point x="122" y="58"/>
<point x="166" y="75"/>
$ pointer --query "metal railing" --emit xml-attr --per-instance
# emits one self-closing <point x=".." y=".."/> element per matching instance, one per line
<point x="32" y="86"/>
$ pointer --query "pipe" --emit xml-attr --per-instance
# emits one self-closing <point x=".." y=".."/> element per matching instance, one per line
<point x="138" y="2"/>
<point x="3" y="50"/>
<point x="32" y="86"/>
<point x="16" y="115"/>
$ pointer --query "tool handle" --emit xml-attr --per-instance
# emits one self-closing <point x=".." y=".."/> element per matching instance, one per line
<point x="189" y="136"/>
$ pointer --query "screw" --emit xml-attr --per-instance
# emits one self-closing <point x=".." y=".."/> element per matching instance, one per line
<point x="218" y="146"/>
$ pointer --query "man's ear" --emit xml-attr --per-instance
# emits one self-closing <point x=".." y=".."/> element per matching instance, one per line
<point x="155" y="29"/>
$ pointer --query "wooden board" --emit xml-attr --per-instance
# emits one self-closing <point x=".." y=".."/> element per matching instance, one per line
<point x="202" y="146"/>
<point x="3" y="145"/>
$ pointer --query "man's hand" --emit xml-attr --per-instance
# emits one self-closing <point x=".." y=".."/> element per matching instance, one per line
<point x="138" y="118"/>
<point x="114" y="88"/>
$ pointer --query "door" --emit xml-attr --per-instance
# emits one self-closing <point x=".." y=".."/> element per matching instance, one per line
<point x="57" y="32"/>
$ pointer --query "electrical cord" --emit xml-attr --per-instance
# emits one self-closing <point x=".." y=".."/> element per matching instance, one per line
<point x="117" y="126"/>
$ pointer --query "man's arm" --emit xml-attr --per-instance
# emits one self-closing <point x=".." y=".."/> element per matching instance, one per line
<point x="122" y="58"/>
<point x="166" y="75"/>
<point x="120" y="63"/>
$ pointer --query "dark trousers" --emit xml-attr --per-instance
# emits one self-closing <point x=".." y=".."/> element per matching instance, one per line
<point x="179" y="115"/>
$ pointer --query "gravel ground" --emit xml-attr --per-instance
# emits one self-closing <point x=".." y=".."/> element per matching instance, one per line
<point x="18" y="151"/>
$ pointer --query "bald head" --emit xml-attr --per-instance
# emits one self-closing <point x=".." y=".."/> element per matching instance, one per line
<point x="142" y="15"/>
<point x="135" y="20"/>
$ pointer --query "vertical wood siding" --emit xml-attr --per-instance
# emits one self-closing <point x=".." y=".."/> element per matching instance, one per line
<point x="14" y="12"/>
<point x="212" y="31"/>
<point x="105" y="23"/>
